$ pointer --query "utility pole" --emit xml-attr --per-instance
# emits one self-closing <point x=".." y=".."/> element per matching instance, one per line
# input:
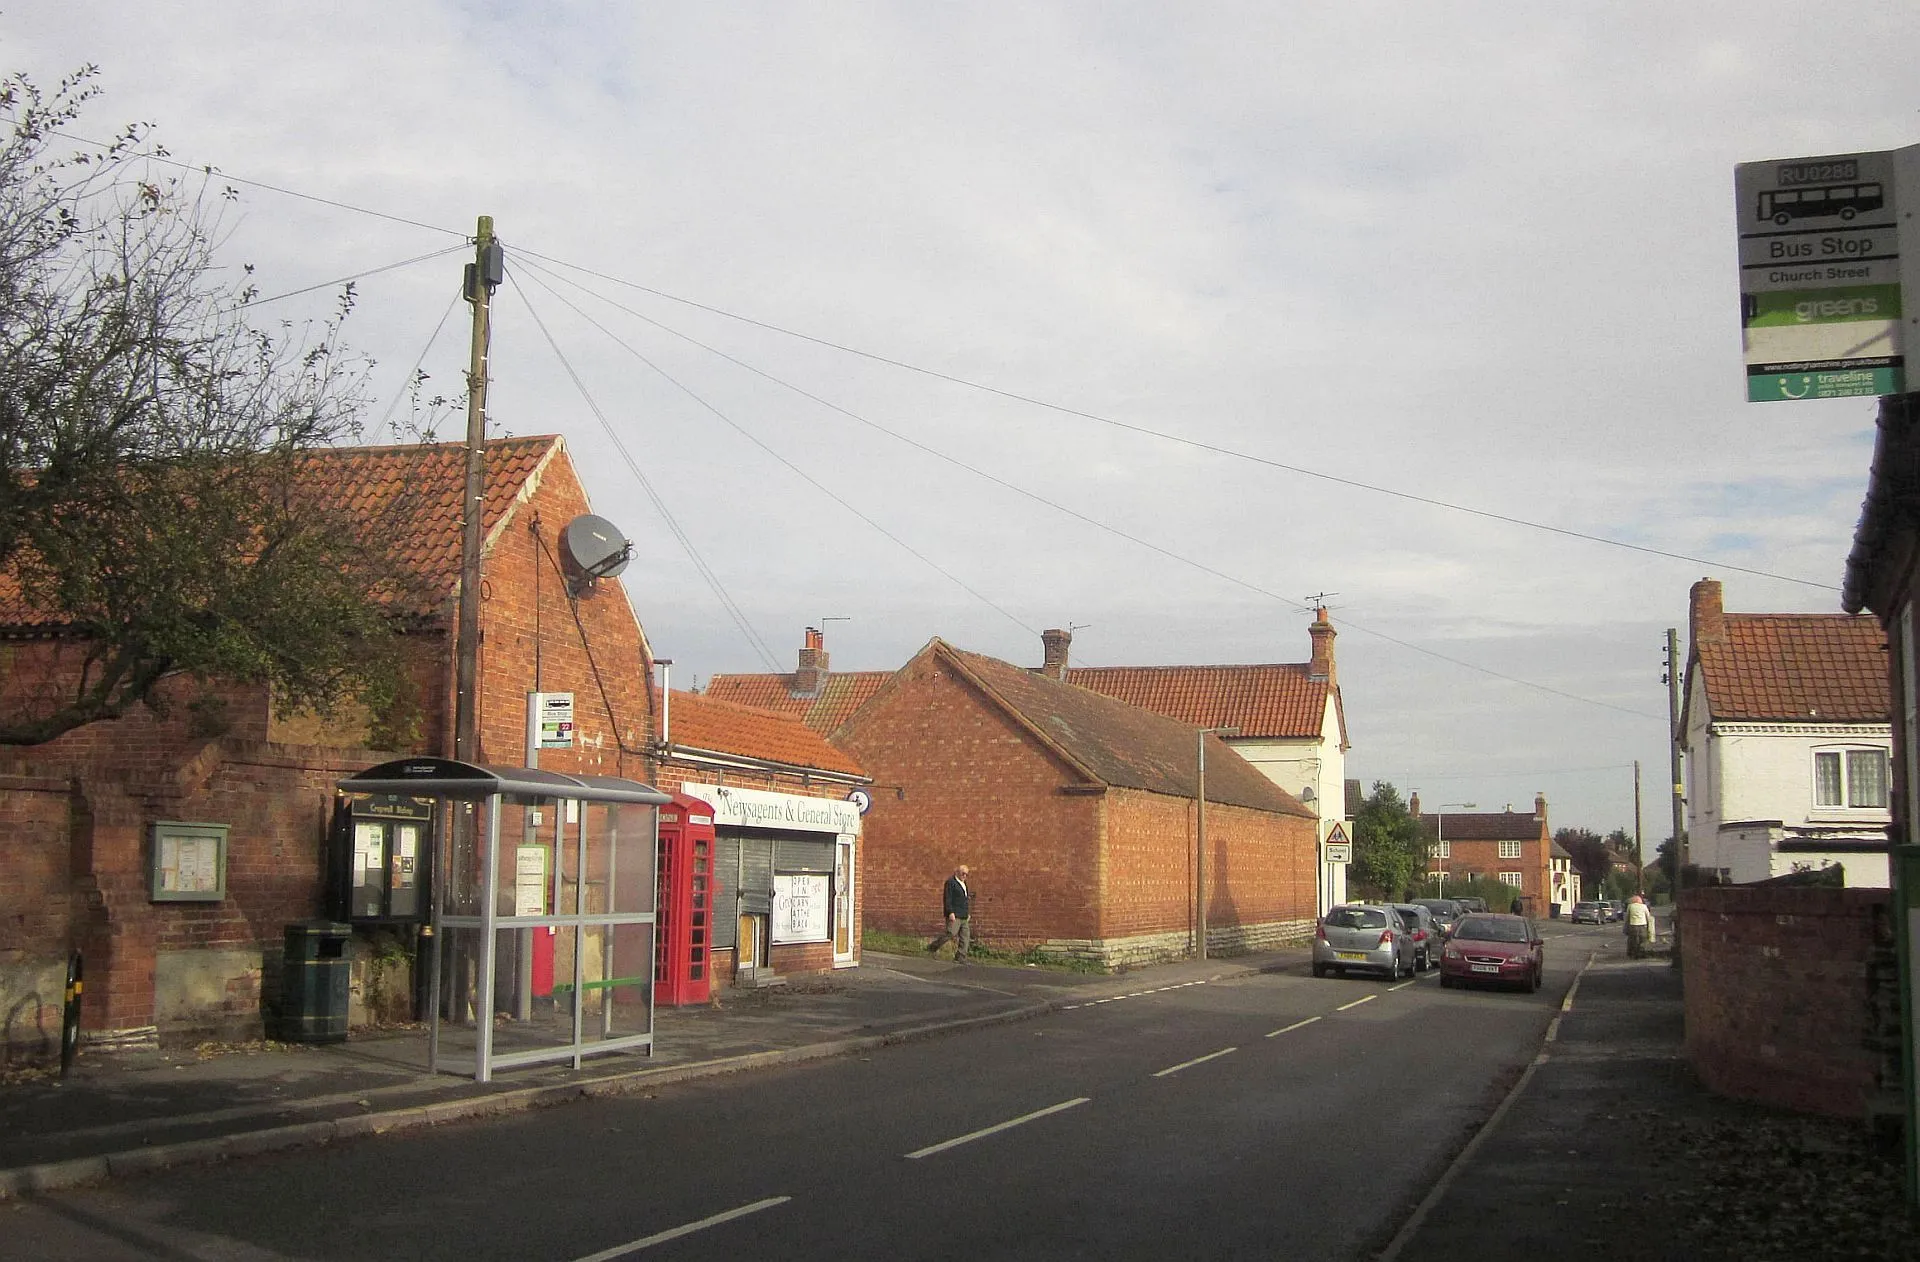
<point x="1639" y="856"/>
<point x="482" y="275"/>
<point x="1674" y="737"/>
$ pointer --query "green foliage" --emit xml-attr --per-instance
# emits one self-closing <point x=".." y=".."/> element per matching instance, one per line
<point x="1390" y="850"/>
<point x="151" y="442"/>
<point x="1593" y="857"/>
<point x="1033" y="957"/>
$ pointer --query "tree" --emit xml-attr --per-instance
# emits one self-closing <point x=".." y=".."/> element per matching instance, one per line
<point x="1390" y="850"/>
<point x="151" y="440"/>
<point x="1592" y="856"/>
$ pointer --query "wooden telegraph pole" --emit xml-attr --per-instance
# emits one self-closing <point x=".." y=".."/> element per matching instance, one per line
<point x="483" y="274"/>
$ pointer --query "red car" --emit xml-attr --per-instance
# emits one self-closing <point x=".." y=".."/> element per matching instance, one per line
<point x="1489" y="947"/>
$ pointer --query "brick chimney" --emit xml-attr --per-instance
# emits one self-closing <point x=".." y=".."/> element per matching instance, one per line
<point x="1321" y="667"/>
<point x="812" y="671"/>
<point x="1706" y="620"/>
<point x="1054" y="643"/>
<point x="1540" y="807"/>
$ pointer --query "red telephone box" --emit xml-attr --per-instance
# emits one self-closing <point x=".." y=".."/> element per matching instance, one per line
<point x="685" y="908"/>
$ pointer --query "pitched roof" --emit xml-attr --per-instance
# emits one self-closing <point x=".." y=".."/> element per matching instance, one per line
<point x="1822" y="668"/>
<point x="1271" y="700"/>
<point x="712" y="726"/>
<point x="839" y="695"/>
<point x="1486" y="826"/>
<point x="409" y="495"/>
<point x="1120" y="744"/>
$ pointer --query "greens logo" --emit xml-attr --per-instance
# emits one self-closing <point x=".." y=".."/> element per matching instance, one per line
<point x="1836" y="309"/>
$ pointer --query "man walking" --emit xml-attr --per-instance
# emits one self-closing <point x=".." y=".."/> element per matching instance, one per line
<point x="956" y="901"/>
<point x="1639" y="927"/>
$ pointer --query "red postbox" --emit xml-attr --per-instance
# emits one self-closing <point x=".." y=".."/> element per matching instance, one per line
<point x="684" y="933"/>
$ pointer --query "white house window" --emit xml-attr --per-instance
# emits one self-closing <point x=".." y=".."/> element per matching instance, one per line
<point x="1443" y="850"/>
<point x="1851" y="778"/>
<point x="1515" y="879"/>
<point x="1509" y="850"/>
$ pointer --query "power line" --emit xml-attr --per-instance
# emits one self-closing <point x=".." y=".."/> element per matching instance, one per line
<point x="796" y="469"/>
<point x="347" y="280"/>
<point x="705" y="570"/>
<point x="1040" y="499"/>
<point x="1196" y="444"/>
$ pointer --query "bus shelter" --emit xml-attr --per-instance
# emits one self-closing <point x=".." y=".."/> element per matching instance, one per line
<point x="542" y="921"/>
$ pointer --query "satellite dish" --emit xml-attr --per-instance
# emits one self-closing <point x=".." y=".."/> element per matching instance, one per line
<point x="592" y="548"/>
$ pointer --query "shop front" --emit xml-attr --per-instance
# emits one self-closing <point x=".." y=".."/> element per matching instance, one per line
<point x="784" y="879"/>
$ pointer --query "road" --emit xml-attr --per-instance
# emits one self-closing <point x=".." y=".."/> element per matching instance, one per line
<point x="1263" y="1116"/>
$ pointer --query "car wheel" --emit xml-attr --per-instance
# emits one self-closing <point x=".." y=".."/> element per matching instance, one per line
<point x="1446" y="981"/>
<point x="1536" y="980"/>
<point x="1319" y="970"/>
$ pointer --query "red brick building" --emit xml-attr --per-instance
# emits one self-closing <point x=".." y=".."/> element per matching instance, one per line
<point x="1077" y="814"/>
<point x="782" y="809"/>
<point x="1513" y="847"/>
<point x="79" y="868"/>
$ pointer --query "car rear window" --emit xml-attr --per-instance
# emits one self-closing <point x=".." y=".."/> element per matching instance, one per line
<point x="1488" y="929"/>
<point x="1357" y="918"/>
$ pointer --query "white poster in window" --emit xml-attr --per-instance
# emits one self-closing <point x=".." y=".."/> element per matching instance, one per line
<point x="530" y="881"/>
<point x="801" y="911"/>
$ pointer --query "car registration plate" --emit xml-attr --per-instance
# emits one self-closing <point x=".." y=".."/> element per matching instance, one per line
<point x="1352" y="955"/>
<point x="1486" y="968"/>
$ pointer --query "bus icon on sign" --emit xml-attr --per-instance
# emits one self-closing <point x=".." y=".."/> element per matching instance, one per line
<point x="1785" y="205"/>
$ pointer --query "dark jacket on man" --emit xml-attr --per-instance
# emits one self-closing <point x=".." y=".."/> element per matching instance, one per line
<point x="955" y="900"/>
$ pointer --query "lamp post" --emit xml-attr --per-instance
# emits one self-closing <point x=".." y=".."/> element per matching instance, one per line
<point x="1440" y="836"/>
<point x="1200" y="857"/>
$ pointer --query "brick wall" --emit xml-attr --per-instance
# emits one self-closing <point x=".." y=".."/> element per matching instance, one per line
<point x="1106" y="875"/>
<point x="36" y="913"/>
<point x="1788" y="992"/>
<point x="977" y="791"/>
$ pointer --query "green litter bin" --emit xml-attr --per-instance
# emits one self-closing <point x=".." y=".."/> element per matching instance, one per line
<point x="314" y="984"/>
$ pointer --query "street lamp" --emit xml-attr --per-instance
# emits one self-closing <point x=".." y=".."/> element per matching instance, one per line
<point x="1440" y="837"/>
<point x="1200" y="858"/>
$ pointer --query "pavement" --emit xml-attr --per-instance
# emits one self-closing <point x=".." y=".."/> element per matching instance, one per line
<point x="1551" y="1160"/>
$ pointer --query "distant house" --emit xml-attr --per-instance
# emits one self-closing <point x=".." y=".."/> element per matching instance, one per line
<point x="813" y="694"/>
<point x="1787" y="734"/>
<point x="1513" y="847"/>
<point x="1078" y="814"/>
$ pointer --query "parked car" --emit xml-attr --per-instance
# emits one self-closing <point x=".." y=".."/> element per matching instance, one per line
<point x="1470" y="904"/>
<point x="1588" y="913"/>
<point x="1426" y="935"/>
<point x="1616" y="910"/>
<point x="1446" y="912"/>
<point x="1368" y="936"/>
<point x="1490" y="947"/>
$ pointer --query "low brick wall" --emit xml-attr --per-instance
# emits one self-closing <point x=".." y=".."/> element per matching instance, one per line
<point x="1792" y="996"/>
<point x="1113" y="954"/>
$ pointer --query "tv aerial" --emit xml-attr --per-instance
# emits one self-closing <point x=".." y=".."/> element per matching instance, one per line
<point x="592" y="548"/>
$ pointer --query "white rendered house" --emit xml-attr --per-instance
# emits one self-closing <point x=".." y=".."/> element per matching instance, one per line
<point x="1787" y="735"/>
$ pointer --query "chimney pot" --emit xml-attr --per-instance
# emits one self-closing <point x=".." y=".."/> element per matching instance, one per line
<point x="811" y="671"/>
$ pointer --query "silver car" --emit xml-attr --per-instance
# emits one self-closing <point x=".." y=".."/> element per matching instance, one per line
<point x="1369" y="936"/>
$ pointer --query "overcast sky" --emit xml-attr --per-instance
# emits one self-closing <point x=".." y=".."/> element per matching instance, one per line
<point x="1482" y="254"/>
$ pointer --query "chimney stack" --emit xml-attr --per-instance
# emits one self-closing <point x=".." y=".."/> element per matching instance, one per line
<point x="1054" y="642"/>
<point x="1706" y="620"/>
<point x="1540" y="806"/>
<point x="812" y="671"/>
<point x="1321" y="667"/>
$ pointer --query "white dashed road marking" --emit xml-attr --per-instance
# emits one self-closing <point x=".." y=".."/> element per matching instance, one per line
<point x="1069" y="1007"/>
<point x="1198" y="1060"/>
<point x="685" y="1229"/>
<point x="1009" y="1124"/>
<point x="1291" y="1028"/>
<point x="1356" y="1003"/>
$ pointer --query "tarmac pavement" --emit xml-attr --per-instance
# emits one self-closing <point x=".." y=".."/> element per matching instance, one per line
<point x="126" y="1112"/>
<point x="1556" y="1165"/>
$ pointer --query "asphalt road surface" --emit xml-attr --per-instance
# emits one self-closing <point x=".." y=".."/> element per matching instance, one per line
<point x="1267" y="1116"/>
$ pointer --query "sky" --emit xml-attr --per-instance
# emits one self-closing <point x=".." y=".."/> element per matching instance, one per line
<point x="1152" y="321"/>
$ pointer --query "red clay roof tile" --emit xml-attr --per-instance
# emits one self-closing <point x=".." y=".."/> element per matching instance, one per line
<point x="1272" y="700"/>
<point x="698" y="721"/>
<point x="1824" y="668"/>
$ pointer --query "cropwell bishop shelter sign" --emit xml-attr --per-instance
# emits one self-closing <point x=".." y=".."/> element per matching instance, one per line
<point x="1827" y="274"/>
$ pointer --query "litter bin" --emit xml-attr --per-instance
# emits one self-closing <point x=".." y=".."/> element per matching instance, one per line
<point x="314" y="983"/>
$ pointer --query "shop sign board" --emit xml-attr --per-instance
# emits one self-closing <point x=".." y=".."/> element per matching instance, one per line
<point x="758" y="808"/>
<point x="801" y="910"/>
<point x="1825" y="278"/>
